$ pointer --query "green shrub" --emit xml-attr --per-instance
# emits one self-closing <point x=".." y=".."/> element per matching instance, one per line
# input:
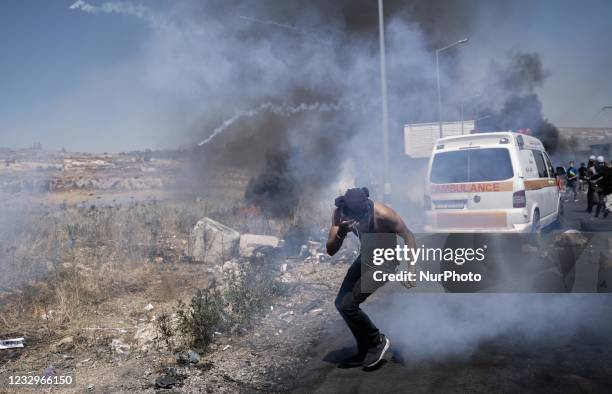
<point x="201" y="318"/>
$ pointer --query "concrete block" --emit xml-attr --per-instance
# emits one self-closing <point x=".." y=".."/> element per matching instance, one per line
<point x="212" y="241"/>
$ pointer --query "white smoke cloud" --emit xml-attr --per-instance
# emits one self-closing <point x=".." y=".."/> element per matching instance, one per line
<point x="438" y="326"/>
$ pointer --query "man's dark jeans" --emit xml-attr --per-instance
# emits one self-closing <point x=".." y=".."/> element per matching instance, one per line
<point x="351" y="296"/>
<point x="571" y="186"/>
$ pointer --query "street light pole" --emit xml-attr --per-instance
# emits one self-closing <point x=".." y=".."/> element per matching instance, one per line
<point x="463" y="99"/>
<point x="439" y="94"/>
<point x="385" y="110"/>
<point x="438" y="79"/>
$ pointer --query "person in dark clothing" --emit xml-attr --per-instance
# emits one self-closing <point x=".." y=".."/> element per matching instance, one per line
<point x="582" y="174"/>
<point x="591" y="189"/>
<point x="356" y="213"/>
<point x="572" y="178"/>
<point x="603" y="180"/>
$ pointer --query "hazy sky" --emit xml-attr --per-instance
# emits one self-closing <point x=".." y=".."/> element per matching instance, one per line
<point x="83" y="81"/>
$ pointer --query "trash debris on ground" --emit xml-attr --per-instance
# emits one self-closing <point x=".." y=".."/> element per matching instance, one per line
<point x="311" y="305"/>
<point x="285" y="314"/>
<point x="149" y="307"/>
<point x="48" y="315"/>
<point x="169" y="379"/>
<point x="191" y="357"/>
<point x="11" y="343"/>
<point x="251" y="242"/>
<point x="119" y="346"/>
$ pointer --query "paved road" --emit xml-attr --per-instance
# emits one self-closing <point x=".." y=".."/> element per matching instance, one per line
<point x="485" y="342"/>
<point x="555" y="359"/>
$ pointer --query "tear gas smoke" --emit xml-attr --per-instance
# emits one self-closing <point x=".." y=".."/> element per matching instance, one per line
<point x="442" y="326"/>
<point x="207" y="55"/>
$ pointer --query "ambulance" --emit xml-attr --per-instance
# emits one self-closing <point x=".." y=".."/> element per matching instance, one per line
<point x="497" y="182"/>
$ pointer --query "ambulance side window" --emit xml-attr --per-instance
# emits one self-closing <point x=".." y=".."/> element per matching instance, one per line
<point x="549" y="166"/>
<point x="528" y="164"/>
<point x="539" y="159"/>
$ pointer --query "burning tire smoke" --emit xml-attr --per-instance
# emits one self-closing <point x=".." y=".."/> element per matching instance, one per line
<point x="521" y="108"/>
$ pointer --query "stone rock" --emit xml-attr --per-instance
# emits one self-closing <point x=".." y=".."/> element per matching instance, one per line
<point x="212" y="241"/>
<point x="193" y="357"/>
<point x="149" y="307"/>
<point x="314" y="247"/>
<point x="119" y="346"/>
<point x="145" y="335"/>
<point x="63" y="344"/>
<point x="250" y="242"/>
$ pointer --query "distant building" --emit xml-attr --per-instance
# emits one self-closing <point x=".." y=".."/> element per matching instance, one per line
<point x="419" y="138"/>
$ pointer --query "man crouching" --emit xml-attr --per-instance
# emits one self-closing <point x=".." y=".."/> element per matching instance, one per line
<point x="356" y="213"/>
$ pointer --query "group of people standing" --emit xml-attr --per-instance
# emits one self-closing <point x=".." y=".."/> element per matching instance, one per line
<point x="594" y="178"/>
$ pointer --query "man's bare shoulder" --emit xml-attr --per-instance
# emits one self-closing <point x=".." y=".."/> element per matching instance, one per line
<point x="383" y="211"/>
<point x="385" y="214"/>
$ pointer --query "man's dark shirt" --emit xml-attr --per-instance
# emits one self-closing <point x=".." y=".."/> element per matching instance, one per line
<point x="604" y="180"/>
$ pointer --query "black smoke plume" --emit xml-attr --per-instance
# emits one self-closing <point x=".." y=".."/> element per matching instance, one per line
<point x="274" y="191"/>
<point x="522" y="108"/>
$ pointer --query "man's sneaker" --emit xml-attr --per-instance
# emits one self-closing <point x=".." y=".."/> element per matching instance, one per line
<point x="356" y="360"/>
<point x="376" y="352"/>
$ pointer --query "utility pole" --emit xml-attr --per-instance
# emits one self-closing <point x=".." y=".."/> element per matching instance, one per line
<point x="438" y="79"/>
<point x="385" y="109"/>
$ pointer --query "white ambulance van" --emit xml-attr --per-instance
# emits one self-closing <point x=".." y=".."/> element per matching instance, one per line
<point x="490" y="182"/>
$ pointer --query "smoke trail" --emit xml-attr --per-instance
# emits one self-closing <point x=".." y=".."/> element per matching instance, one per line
<point x="281" y="110"/>
<point x="286" y="26"/>
<point x="136" y="10"/>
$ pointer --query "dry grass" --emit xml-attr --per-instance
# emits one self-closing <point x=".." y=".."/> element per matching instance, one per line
<point x="64" y="264"/>
<point x="65" y="269"/>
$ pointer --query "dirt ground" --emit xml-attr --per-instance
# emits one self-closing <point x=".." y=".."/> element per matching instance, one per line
<point x="96" y="314"/>
<point x="258" y="359"/>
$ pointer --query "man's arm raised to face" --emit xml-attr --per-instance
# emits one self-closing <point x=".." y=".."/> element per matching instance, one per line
<point x="337" y="232"/>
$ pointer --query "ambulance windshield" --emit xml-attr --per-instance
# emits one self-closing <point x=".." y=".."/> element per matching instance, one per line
<point x="472" y="165"/>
